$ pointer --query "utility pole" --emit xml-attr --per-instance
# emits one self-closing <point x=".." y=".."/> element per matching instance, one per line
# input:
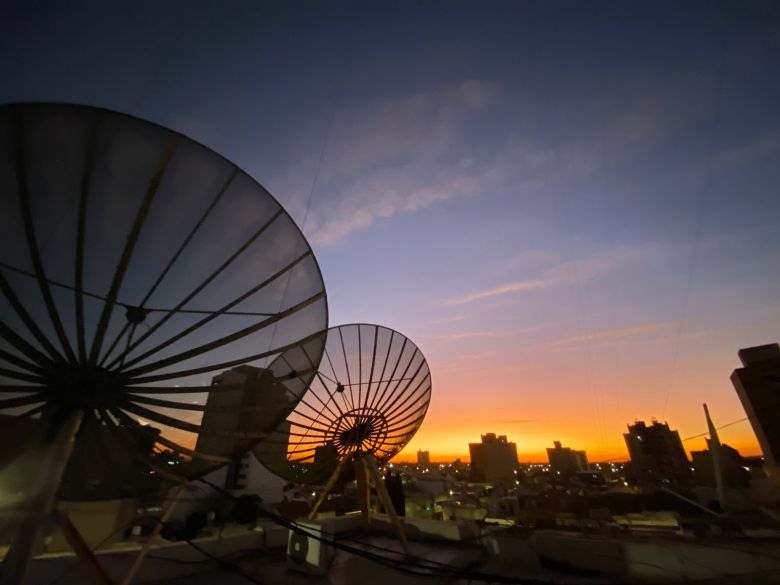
<point x="715" y="453"/>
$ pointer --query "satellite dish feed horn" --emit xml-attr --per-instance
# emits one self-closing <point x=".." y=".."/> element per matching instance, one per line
<point x="135" y="264"/>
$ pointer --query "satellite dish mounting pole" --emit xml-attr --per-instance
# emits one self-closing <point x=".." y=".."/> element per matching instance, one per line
<point x="334" y="478"/>
<point x="366" y="474"/>
<point x="42" y="502"/>
<point x="369" y="461"/>
<point x="136" y="566"/>
<point x="364" y="490"/>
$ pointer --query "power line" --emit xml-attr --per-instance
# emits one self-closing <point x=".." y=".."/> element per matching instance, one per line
<point x="743" y="419"/>
<point x="704" y="196"/>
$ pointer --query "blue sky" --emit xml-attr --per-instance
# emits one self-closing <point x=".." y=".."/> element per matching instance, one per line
<point x="571" y="207"/>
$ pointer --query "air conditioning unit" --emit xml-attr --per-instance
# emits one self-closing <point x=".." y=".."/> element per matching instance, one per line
<point x="306" y="553"/>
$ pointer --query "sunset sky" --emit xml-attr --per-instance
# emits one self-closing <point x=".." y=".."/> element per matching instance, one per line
<point x="571" y="208"/>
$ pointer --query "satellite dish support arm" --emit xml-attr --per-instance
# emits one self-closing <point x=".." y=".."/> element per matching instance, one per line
<point x="366" y="473"/>
<point x="42" y="508"/>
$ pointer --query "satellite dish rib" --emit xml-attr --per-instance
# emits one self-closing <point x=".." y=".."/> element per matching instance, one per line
<point x="365" y="403"/>
<point x="134" y="263"/>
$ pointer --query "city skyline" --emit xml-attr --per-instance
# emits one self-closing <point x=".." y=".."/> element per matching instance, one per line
<point x="575" y="219"/>
<point x="699" y="442"/>
<point x="690" y="444"/>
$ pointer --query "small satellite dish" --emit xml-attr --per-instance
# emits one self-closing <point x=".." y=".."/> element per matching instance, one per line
<point x="135" y="264"/>
<point x="369" y="396"/>
<point x="367" y="400"/>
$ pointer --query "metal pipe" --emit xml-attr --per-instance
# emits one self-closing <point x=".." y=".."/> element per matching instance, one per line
<point x="42" y="499"/>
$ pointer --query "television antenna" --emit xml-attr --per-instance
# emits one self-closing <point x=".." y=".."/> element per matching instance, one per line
<point x="134" y="263"/>
<point x="365" y="403"/>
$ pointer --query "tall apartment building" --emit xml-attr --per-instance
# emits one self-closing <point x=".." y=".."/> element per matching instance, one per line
<point x="494" y="460"/>
<point x="565" y="460"/>
<point x="423" y="458"/>
<point x="243" y="400"/>
<point x="732" y="467"/>
<point x="657" y="454"/>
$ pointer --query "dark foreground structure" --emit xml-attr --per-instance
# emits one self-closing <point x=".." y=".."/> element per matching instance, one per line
<point x="758" y="387"/>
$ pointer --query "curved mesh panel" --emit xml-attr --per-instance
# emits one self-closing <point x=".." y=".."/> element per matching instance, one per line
<point x="150" y="283"/>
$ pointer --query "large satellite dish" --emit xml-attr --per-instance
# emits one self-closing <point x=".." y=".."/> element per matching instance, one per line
<point x="369" y="397"/>
<point x="136" y="263"/>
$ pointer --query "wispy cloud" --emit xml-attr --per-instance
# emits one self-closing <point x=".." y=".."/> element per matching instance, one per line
<point x="482" y="334"/>
<point x="410" y="153"/>
<point x="468" y="335"/>
<point x="450" y="319"/>
<point x="614" y="333"/>
<point x="563" y="273"/>
<point x="503" y="289"/>
<point x="747" y="152"/>
<point x="398" y="156"/>
<point x="379" y="200"/>
<point x="480" y="355"/>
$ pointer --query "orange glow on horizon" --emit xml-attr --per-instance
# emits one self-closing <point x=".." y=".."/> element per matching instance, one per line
<point x="548" y="397"/>
<point x="539" y="393"/>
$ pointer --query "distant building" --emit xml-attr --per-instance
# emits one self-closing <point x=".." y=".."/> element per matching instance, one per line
<point x="459" y="467"/>
<point x="590" y="477"/>
<point x="566" y="461"/>
<point x="242" y="400"/>
<point x="733" y="469"/>
<point x="423" y="458"/>
<point x="657" y="453"/>
<point x="494" y="460"/>
<point x="245" y="399"/>
<point x="326" y="460"/>
<point x="758" y="387"/>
